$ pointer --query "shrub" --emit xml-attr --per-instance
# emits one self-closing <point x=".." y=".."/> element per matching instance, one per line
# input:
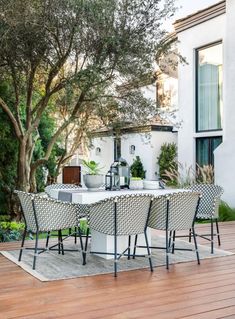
<point x="226" y="213"/>
<point x="83" y="226"/>
<point x="11" y="231"/>
<point x="183" y="176"/>
<point x="137" y="168"/>
<point x="5" y="218"/>
<point x="167" y="161"/>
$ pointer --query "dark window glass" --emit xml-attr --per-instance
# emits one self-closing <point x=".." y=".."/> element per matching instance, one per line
<point x="209" y="88"/>
<point x="205" y="148"/>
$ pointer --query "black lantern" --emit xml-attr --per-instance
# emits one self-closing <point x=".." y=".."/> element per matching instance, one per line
<point x="112" y="180"/>
<point x="123" y="172"/>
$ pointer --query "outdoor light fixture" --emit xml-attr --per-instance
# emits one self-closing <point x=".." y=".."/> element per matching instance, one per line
<point x="132" y="149"/>
<point x="97" y="151"/>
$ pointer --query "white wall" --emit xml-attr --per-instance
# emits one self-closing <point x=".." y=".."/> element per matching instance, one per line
<point x="190" y="39"/>
<point x="106" y="157"/>
<point x="225" y="153"/>
<point x="147" y="146"/>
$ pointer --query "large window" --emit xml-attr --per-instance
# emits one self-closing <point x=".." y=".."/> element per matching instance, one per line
<point x="205" y="147"/>
<point x="209" y="88"/>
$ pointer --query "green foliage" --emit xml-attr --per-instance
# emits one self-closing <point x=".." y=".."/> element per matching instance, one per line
<point x="8" y="153"/>
<point x="68" y="54"/>
<point x="83" y="226"/>
<point x="137" y="168"/>
<point x="136" y="178"/>
<point x="12" y="226"/>
<point x="11" y="231"/>
<point x="46" y="129"/>
<point x="184" y="176"/>
<point x="167" y="161"/>
<point x="226" y="213"/>
<point x="91" y="167"/>
<point x="5" y="218"/>
<point x="204" y="174"/>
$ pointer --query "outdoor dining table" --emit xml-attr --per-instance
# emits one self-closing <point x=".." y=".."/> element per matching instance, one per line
<point x="102" y="242"/>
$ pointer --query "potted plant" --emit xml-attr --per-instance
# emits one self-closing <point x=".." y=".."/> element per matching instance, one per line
<point x="137" y="174"/>
<point x="93" y="179"/>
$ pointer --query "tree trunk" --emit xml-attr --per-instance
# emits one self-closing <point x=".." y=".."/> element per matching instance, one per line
<point x="23" y="182"/>
<point x="32" y="181"/>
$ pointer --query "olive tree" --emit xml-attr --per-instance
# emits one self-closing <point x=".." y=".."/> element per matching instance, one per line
<point x="76" y="56"/>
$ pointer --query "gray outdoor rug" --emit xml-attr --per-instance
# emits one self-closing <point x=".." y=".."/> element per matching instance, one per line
<point x="52" y="266"/>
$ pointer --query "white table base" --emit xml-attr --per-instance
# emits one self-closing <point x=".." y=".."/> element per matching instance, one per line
<point x="105" y="243"/>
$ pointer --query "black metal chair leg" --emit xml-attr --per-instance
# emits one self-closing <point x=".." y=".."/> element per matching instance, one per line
<point x="59" y="248"/>
<point x="22" y="244"/>
<point x="212" y="237"/>
<point x="61" y="242"/>
<point x="135" y="244"/>
<point x="173" y="243"/>
<point x="167" y="250"/>
<point x="115" y="256"/>
<point x="87" y="237"/>
<point x="217" y="230"/>
<point x="170" y="236"/>
<point x="81" y="243"/>
<point x="129" y="247"/>
<point x="196" y="247"/>
<point x="35" y="250"/>
<point x="190" y="235"/>
<point x="148" y="250"/>
<point x="75" y="236"/>
<point x="48" y="237"/>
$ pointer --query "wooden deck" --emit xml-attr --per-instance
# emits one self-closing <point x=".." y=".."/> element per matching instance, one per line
<point x="186" y="291"/>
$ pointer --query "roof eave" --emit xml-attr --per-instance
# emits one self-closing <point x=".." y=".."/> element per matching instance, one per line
<point x="200" y="16"/>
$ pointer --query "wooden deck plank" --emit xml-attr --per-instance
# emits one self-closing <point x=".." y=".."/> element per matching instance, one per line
<point x="186" y="291"/>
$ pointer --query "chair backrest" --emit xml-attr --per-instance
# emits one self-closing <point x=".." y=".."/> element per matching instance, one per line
<point x="174" y="211"/>
<point x="52" y="214"/>
<point x="59" y="186"/>
<point x="27" y="209"/>
<point x="209" y="203"/>
<point x="131" y="214"/>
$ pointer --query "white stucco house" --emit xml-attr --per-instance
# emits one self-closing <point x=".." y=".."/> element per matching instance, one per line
<point x="146" y="140"/>
<point x="206" y="92"/>
<point x="203" y="89"/>
<point x="143" y="141"/>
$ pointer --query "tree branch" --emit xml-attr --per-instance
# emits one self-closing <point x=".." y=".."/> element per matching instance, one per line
<point x="29" y="95"/>
<point x="13" y="120"/>
<point x="16" y="90"/>
<point x="58" y="133"/>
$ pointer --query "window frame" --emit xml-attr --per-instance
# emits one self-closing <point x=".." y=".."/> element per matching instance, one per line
<point x="210" y="153"/>
<point x="196" y="85"/>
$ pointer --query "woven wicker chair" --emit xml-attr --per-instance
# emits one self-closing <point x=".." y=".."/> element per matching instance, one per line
<point x="209" y="209"/>
<point x="121" y="216"/>
<point x="171" y="213"/>
<point x="61" y="186"/>
<point x="44" y="214"/>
